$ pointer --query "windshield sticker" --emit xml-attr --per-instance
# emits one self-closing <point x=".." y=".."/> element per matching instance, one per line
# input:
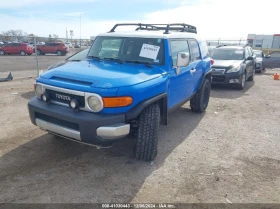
<point x="159" y="40"/>
<point x="239" y="52"/>
<point x="149" y="51"/>
<point x="156" y="61"/>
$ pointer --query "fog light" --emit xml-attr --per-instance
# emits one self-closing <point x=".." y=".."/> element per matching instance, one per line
<point x="234" y="81"/>
<point x="45" y="97"/>
<point x="74" y="104"/>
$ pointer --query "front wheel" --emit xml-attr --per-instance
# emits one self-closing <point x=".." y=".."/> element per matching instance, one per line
<point x="200" y="100"/>
<point x="147" y="133"/>
<point x="242" y="81"/>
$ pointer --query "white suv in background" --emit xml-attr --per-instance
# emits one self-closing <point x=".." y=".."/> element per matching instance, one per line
<point x="68" y="44"/>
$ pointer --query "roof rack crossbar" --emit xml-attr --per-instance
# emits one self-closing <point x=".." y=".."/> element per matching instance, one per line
<point x="180" y="27"/>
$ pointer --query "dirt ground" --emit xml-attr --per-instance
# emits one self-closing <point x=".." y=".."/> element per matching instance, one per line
<point x="228" y="154"/>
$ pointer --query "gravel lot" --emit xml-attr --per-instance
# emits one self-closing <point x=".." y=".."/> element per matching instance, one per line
<point x="230" y="153"/>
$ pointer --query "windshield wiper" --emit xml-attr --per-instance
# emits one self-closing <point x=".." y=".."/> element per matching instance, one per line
<point x="147" y="64"/>
<point x="94" y="57"/>
<point x="113" y="59"/>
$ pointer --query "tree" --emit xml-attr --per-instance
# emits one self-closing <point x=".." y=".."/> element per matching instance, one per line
<point x="55" y="37"/>
<point x="14" y="35"/>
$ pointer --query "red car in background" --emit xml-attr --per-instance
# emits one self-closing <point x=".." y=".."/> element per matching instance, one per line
<point x="16" y="48"/>
<point x="52" y="48"/>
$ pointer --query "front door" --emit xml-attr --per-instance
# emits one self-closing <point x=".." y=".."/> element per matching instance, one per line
<point x="180" y="85"/>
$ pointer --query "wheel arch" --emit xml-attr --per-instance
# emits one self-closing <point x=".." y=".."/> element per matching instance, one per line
<point x="161" y="99"/>
<point x="206" y="75"/>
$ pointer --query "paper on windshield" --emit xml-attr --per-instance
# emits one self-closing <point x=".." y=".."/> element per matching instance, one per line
<point x="149" y="51"/>
<point x="239" y="52"/>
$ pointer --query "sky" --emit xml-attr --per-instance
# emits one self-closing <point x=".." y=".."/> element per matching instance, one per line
<point x="213" y="18"/>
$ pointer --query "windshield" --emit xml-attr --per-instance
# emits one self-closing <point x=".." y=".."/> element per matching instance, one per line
<point x="79" y="56"/>
<point x="227" y="54"/>
<point x="258" y="54"/>
<point x="128" y="49"/>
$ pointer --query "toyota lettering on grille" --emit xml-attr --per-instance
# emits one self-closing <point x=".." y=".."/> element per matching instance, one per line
<point x="63" y="97"/>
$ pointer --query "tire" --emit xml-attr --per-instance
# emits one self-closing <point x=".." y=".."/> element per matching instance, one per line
<point x="201" y="98"/>
<point x="147" y="134"/>
<point x="242" y="81"/>
<point x="59" y="53"/>
<point x="22" y="53"/>
<point x="39" y="52"/>
<point x="2" y="53"/>
<point x="43" y="53"/>
<point x="251" y="78"/>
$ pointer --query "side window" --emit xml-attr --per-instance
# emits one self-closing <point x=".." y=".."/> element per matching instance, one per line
<point x="47" y="44"/>
<point x="176" y="47"/>
<point x="246" y="53"/>
<point x="195" y="50"/>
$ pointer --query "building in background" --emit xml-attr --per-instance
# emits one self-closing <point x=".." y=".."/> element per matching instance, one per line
<point x="269" y="42"/>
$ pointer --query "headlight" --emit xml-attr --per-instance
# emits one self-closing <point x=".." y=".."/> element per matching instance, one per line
<point x="234" y="69"/>
<point x="95" y="103"/>
<point x="39" y="90"/>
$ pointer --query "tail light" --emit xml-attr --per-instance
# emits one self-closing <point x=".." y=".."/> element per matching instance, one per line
<point x="212" y="62"/>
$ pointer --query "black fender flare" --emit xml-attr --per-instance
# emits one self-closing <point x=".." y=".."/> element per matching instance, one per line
<point x="207" y="75"/>
<point x="161" y="98"/>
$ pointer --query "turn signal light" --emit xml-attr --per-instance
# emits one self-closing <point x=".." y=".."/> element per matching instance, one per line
<point x="117" y="101"/>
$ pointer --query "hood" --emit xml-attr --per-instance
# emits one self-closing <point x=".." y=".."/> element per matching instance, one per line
<point x="226" y="63"/>
<point x="103" y="74"/>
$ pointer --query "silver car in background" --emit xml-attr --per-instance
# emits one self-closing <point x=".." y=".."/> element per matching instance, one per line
<point x="259" y="60"/>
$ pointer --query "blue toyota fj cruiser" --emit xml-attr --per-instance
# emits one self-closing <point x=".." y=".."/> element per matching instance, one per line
<point x="128" y="84"/>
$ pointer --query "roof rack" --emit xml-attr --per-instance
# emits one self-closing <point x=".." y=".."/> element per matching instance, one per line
<point x="180" y="27"/>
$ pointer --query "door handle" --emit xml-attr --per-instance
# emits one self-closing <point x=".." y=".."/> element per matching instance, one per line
<point x="192" y="71"/>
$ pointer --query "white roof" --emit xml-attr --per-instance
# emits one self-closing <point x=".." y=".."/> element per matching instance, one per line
<point x="151" y="34"/>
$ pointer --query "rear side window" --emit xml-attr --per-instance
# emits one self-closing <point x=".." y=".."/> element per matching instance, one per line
<point x="204" y="49"/>
<point x="176" y="47"/>
<point x="195" y="50"/>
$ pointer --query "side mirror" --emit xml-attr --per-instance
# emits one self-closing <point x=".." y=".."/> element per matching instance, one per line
<point x="183" y="60"/>
<point x="250" y="58"/>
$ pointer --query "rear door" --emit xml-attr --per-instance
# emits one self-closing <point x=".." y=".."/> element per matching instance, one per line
<point x="180" y="85"/>
<point x="17" y="48"/>
<point x="195" y="65"/>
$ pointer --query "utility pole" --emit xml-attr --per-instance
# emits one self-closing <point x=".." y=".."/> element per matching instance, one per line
<point x="66" y="35"/>
<point x="80" y="29"/>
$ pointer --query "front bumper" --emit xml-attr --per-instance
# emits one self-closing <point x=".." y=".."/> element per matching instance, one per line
<point x="226" y="78"/>
<point x="85" y="127"/>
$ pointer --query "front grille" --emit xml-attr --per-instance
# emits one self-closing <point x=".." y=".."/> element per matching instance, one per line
<point x="65" y="98"/>
<point x="218" y="79"/>
<point x="216" y="71"/>
<point x="58" y="122"/>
